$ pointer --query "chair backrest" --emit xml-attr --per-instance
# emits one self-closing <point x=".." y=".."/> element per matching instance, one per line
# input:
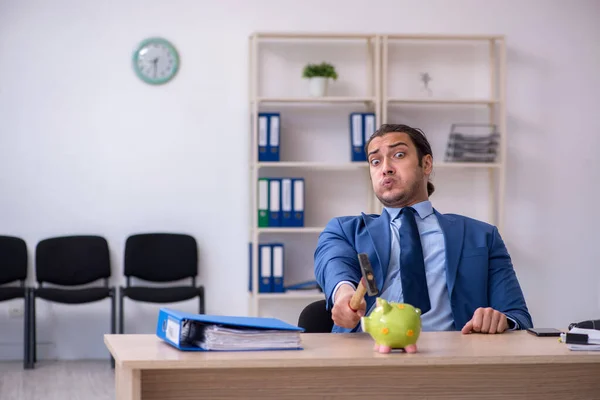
<point x="13" y="259"/>
<point x="315" y="318"/>
<point x="161" y="257"/>
<point x="72" y="260"/>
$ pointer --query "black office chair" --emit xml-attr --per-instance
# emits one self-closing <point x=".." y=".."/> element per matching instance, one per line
<point x="315" y="318"/>
<point x="160" y="258"/>
<point x="72" y="261"/>
<point x="13" y="268"/>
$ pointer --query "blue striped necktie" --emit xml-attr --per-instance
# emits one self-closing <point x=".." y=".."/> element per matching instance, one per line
<point x="412" y="265"/>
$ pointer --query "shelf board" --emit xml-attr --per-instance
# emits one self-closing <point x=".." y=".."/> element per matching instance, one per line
<point x="292" y="295"/>
<point x="394" y="100"/>
<point x="313" y="35"/>
<point x="316" y="100"/>
<point x="466" y="165"/>
<point x="291" y="230"/>
<point x="427" y="36"/>
<point x="363" y="165"/>
<point x="313" y="165"/>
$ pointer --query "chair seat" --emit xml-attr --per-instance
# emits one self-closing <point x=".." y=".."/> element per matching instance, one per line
<point x="315" y="318"/>
<point x="8" y="293"/>
<point x="161" y="295"/>
<point x="73" y="296"/>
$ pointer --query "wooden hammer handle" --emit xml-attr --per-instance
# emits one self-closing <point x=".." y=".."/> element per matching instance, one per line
<point x="357" y="297"/>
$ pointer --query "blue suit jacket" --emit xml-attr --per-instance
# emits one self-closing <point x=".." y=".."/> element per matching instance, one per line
<point x="479" y="270"/>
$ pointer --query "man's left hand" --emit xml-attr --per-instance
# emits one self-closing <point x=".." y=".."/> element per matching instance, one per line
<point x="486" y="320"/>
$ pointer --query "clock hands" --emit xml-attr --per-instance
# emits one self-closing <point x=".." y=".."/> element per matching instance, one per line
<point x="155" y="62"/>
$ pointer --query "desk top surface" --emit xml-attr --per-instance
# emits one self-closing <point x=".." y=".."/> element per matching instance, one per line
<point x="354" y="349"/>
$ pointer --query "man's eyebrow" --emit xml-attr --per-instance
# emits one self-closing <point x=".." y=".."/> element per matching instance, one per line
<point x="372" y="152"/>
<point x="398" y="144"/>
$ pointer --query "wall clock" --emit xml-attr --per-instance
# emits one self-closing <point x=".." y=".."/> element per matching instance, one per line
<point x="156" y="61"/>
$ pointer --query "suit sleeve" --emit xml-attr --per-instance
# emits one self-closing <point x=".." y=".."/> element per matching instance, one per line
<point x="504" y="290"/>
<point x="335" y="260"/>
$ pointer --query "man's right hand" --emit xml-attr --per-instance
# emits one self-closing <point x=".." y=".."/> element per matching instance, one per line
<point x="341" y="313"/>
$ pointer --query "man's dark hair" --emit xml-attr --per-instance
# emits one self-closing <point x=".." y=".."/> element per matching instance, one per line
<point x="418" y="138"/>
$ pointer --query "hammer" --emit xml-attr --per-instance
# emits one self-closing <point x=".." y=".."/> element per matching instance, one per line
<point x="367" y="282"/>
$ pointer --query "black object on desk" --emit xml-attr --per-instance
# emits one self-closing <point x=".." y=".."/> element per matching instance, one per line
<point x="589" y="324"/>
<point x="544" y="331"/>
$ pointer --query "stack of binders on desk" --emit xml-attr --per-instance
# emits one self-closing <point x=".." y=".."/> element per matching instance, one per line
<point x="280" y="202"/>
<point x="201" y="332"/>
<point x="270" y="268"/>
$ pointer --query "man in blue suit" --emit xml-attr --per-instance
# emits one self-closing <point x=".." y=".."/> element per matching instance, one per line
<point x="456" y="269"/>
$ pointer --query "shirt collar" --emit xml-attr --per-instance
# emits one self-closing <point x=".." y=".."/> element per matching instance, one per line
<point x="424" y="209"/>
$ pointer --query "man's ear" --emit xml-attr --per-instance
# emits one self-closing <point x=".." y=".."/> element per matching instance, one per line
<point x="427" y="164"/>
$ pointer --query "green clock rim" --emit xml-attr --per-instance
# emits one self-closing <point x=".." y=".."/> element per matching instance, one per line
<point x="135" y="58"/>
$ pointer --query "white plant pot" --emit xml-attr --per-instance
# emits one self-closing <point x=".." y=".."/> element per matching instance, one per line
<point x="317" y="86"/>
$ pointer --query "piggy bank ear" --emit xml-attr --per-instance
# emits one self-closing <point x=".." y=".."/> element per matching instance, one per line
<point x="418" y="311"/>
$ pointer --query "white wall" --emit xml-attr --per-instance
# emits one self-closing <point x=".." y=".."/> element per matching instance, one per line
<point x="85" y="147"/>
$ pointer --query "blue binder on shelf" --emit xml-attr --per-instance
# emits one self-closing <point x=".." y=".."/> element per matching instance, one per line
<point x="250" y="266"/>
<point x="298" y="197"/>
<point x="269" y="134"/>
<point x="263" y="137"/>
<point x="201" y="332"/>
<point x="369" y="128"/>
<point x="265" y="268"/>
<point x="357" y="141"/>
<point x="286" y="202"/>
<point x="274" y="202"/>
<point x="277" y="267"/>
<point x="362" y="126"/>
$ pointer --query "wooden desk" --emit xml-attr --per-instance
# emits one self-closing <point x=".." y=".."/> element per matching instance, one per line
<point x="449" y="365"/>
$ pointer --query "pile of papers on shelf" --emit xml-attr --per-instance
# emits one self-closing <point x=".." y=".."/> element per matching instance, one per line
<point x="200" y="332"/>
<point x="473" y="143"/>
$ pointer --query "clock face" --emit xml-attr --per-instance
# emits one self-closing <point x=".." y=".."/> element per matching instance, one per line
<point x="156" y="61"/>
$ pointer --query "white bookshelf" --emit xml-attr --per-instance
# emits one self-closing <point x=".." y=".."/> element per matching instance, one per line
<point x="376" y="74"/>
<point x="468" y="85"/>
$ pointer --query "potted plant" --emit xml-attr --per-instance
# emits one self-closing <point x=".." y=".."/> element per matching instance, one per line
<point x="318" y="77"/>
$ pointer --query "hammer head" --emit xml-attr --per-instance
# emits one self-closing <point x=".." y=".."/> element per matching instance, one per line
<point x="368" y="277"/>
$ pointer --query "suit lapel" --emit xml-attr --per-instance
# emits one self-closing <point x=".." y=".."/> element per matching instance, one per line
<point x="379" y="232"/>
<point x="453" y="229"/>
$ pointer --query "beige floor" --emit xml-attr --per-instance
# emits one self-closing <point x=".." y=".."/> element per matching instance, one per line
<point x="57" y="380"/>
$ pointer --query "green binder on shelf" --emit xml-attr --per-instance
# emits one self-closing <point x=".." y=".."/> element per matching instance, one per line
<point x="263" y="202"/>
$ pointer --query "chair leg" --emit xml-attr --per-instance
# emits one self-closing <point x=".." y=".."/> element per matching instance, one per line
<point x="26" y="331"/>
<point x="113" y="321"/>
<point x="32" y="333"/>
<point x="121" y="319"/>
<point x="201" y="299"/>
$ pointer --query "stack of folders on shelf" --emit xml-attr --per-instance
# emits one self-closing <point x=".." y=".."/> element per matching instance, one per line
<point x="280" y="202"/>
<point x="362" y="126"/>
<point x="268" y="137"/>
<point x="472" y="143"/>
<point x="200" y="332"/>
<point x="270" y="268"/>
